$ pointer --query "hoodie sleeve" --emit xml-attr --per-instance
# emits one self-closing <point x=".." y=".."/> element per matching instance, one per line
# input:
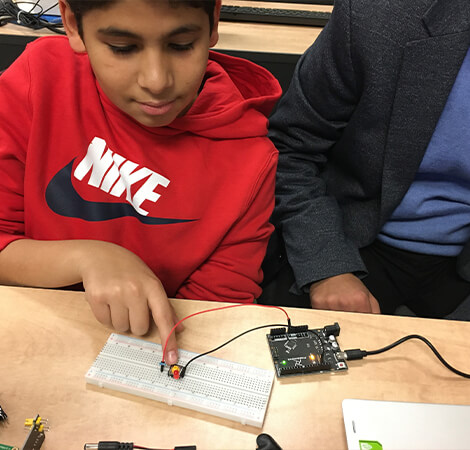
<point x="15" y="123"/>
<point x="233" y="272"/>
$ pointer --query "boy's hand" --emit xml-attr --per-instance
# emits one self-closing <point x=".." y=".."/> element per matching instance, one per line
<point x="122" y="292"/>
<point x="343" y="292"/>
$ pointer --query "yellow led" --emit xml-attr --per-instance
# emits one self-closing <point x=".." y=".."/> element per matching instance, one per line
<point x="175" y="370"/>
<point x="312" y="356"/>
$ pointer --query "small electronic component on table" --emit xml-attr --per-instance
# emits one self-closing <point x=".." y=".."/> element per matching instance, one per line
<point x="36" y="436"/>
<point x="3" y="415"/>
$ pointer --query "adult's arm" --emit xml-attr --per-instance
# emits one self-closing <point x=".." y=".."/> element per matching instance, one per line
<point x="310" y="119"/>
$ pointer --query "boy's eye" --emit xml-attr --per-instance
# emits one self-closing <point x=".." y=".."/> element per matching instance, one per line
<point x="122" y="49"/>
<point x="182" y="47"/>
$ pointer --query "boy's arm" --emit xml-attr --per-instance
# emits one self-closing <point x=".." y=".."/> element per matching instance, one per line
<point x="233" y="271"/>
<point x="121" y="289"/>
<point x="15" y="123"/>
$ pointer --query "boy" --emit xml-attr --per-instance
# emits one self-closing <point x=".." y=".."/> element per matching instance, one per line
<point x="134" y="162"/>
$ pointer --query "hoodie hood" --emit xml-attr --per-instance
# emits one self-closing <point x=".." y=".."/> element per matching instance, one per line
<point x="235" y="101"/>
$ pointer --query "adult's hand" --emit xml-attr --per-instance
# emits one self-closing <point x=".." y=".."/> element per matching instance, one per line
<point x="343" y="292"/>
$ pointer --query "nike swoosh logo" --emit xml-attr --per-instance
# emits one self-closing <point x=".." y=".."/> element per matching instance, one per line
<point x="63" y="199"/>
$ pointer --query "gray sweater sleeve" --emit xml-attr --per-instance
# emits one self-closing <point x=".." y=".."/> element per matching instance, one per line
<point x="308" y="122"/>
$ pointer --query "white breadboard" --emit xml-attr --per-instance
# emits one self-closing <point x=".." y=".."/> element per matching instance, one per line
<point x="211" y="385"/>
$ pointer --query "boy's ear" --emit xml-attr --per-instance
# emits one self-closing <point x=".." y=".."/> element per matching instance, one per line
<point x="71" y="27"/>
<point x="215" y="29"/>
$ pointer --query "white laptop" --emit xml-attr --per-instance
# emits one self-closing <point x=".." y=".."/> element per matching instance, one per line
<point x="383" y="425"/>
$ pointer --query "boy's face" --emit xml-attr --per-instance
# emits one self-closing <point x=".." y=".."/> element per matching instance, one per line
<point x="148" y="57"/>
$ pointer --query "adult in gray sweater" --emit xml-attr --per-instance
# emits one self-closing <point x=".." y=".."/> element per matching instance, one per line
<point x="373" y="187"/>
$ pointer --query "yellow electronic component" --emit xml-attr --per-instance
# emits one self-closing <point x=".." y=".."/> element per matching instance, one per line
<point x="175" y="371"/>
<point x="30" y="422"/>
<point x="36" y="434"/>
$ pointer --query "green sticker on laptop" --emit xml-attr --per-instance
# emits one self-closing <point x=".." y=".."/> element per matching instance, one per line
<point x="370" y="445"/>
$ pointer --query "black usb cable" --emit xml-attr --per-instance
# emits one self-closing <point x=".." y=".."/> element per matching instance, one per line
<point x="357" y="353"/>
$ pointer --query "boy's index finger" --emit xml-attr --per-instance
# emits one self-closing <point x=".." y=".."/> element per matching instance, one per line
<point x="163" y="316"/>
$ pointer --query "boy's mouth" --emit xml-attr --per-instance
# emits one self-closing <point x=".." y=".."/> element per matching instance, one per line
<point x="156" y="109"/>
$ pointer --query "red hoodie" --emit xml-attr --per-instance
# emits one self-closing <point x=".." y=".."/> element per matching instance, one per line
<point x="192" y="199"/>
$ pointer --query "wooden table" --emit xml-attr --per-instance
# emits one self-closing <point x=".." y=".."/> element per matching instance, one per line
<point x="50" y="338"/>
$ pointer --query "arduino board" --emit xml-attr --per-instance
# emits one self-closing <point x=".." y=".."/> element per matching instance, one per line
<point x="298" y="350"/>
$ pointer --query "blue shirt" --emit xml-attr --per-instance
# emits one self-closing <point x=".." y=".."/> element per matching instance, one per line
<point x="434" y="216"/>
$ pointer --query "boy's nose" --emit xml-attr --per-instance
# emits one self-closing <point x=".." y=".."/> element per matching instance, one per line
<point x="155" y="74"/>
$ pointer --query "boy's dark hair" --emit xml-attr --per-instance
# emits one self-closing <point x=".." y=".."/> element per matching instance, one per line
<point x="81" y="7"/>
